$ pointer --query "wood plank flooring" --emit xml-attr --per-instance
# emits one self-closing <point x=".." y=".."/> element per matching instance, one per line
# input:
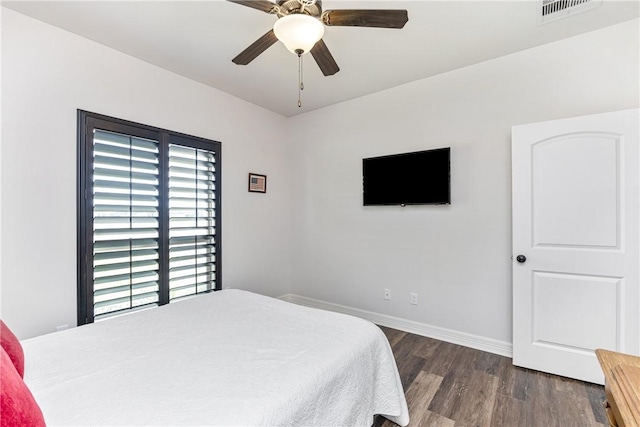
<point x="450" y="385"/>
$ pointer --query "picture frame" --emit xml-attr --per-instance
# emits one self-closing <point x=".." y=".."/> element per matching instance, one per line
<point x="257" y="183"/>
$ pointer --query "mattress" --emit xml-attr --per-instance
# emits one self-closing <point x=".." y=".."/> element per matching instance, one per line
<point x="225" y="358"/>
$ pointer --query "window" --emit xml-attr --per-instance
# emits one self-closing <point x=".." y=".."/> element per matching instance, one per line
<point x="148" y="216"/>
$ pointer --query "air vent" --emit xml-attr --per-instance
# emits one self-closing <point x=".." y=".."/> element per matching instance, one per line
<point x="557" y="9"/>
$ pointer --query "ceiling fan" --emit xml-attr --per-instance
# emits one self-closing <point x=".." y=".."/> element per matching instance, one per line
<point x="300" y="27"/>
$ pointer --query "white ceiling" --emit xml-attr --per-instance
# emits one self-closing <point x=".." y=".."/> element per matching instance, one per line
<point x="198" y="39"/>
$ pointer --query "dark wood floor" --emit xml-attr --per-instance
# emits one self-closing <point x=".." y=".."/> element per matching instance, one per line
<point x="447" y="385"/>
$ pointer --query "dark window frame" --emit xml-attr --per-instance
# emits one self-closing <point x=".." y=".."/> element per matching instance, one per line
<point x="87" y="122"/>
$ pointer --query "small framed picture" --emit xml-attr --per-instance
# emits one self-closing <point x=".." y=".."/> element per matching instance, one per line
<point x="257" y="183"/>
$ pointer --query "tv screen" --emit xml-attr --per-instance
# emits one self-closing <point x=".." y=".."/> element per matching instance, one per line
<point x="418" y="178"/>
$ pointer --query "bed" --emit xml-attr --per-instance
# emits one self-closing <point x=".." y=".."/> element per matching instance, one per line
<point x="226" y="358"/>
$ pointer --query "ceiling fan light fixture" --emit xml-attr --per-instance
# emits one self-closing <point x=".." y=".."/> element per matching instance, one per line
<point x="298" y="32"/>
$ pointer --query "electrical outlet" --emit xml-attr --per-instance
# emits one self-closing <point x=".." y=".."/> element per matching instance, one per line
<point x="414" y="298"/>
<point x="387" y="294"/>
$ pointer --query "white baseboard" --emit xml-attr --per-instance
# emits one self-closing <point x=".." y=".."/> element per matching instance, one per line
<point x="490" y="345"/>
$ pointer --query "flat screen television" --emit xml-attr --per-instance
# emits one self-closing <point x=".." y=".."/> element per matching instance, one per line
<point x="418" y="178"/>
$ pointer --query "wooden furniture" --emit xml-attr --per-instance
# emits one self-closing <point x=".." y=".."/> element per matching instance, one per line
<point x="622" y="387"/>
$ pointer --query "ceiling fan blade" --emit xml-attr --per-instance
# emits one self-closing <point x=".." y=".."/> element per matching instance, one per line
<point x="263" y="5"/>
<point x="256" y="48"/>
<point x="389" y="18"/>
<point x="324" y="59"/>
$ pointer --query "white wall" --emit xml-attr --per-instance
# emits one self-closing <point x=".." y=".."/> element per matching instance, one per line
<point x="309" y="234"/>
<point x="457" y="257"/>
<point x="1" y="9"/>
<point x="47" y="74"/>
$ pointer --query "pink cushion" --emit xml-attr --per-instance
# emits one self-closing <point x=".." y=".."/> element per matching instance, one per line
<point x="12" y="346"/>
<point x="18" y="407"/>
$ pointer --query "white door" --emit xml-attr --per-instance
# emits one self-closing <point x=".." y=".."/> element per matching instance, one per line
<point x="576" y="221"/>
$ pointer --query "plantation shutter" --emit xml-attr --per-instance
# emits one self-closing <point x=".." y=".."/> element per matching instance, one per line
<point x="148" y="217"/>
<point x="126" y="223"/>
<point x="192" y="214"/>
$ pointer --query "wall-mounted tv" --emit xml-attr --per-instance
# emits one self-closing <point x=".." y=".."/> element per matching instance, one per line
<point x="418" y="178"/>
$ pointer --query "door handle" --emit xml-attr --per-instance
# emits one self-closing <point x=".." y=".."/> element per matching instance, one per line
<point x="521" y="259"/>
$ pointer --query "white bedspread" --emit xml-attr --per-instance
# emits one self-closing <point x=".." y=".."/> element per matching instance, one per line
<point x="226" y="358"/>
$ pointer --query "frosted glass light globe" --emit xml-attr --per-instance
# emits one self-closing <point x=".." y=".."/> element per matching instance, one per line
<point x="298" y="32"/>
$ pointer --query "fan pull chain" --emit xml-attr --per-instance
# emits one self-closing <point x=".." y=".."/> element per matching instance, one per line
<point x="300" y="82"/>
